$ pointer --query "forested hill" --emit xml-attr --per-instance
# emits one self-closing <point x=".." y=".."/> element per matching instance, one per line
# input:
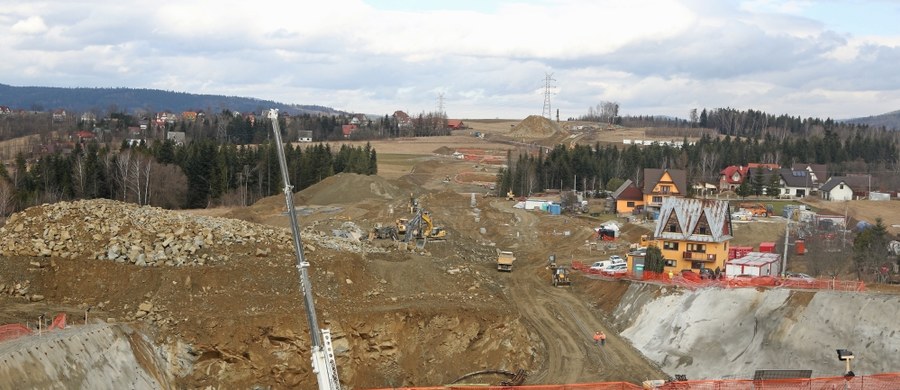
<point x="105" y="100"/>
<point x="890" y="121"/>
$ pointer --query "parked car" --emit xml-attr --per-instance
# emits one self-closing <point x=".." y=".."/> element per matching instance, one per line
<point x="616" y="258"/>
<point x="616" y="269"/>
<point x="799" y="275"/>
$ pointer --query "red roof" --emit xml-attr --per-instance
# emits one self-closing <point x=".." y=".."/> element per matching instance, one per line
<point x="729" y="172"/>
<point x="85" y="134"/>
<point x="454" y="123"/>
<point x="348" y="129"/>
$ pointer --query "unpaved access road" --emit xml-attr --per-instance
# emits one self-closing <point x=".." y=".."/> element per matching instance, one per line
<point x="565" y="322"/>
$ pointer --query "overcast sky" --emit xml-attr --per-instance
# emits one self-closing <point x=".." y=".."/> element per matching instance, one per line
<point x="488" y="59"/>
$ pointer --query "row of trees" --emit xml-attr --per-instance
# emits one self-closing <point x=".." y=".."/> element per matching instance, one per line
<point x="594" y="167"/>
<point x="199" y="174"/>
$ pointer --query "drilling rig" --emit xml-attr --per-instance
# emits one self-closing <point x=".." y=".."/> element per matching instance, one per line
<point x="323" y="362"/>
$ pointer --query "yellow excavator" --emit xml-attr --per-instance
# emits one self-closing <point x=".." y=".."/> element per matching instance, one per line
<point x="431" y="232"/>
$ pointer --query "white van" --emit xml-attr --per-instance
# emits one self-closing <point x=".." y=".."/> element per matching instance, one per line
<point x="603" y="264"/>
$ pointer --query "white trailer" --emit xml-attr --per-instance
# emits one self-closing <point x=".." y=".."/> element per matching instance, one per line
<point x="754" y="264"/>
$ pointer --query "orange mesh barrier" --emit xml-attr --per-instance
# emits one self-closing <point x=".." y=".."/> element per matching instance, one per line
<point x="59" y="322"/>
<point x="889" y="381"/>
<point x="11" y="331"/>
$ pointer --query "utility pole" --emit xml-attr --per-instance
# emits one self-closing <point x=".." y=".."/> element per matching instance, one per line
<point x="787" y="228"/>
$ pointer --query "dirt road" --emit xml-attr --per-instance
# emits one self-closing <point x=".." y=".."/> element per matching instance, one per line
<point x="564" y="322"/>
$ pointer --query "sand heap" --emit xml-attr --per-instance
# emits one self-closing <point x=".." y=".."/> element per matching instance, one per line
<point x="350" y="188"/>
<point x="535" y="126"/>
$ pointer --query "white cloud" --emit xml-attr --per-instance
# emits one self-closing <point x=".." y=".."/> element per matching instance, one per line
<point x="30" y="26"/>
<point x="654" y="57"/>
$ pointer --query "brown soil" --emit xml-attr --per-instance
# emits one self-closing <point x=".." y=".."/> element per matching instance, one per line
<point x="399" y="318"/>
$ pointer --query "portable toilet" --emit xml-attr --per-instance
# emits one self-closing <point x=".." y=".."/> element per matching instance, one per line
<point x="767" y="247"/>
<point x="801" y="246"/>
<point x="555" y="209"/>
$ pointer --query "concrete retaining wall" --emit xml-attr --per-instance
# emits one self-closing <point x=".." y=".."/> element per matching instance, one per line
<point x="730" y="333"/>
<point x="96" y="356"/>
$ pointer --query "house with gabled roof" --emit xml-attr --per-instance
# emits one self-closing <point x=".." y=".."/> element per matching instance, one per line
<point x="847" y="187"/>
<point x="799" y="183"/>
<point x="348" y="130"/>
<point x="455" y="124"/>
<point x="403" y="119"/>
<point x="818" y="173"/>
<point x="731" y="177"/>
<point x="660" y="184"/>
<point x="693" y="233"/>
<point x="628" y="198"/>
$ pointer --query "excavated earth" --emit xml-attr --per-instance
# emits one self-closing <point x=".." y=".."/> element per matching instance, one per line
<point x="185" y="299"/>
<point x="220" y="297"/>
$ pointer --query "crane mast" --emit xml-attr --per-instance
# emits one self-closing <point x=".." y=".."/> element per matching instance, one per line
<point x="323" y="361"/>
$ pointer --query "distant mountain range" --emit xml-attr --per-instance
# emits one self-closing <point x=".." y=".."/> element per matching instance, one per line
<point x="890" y="121"/>
<point x="132" y="100"/>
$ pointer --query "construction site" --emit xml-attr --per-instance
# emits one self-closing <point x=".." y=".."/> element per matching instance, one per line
<point x="423" y="278"/>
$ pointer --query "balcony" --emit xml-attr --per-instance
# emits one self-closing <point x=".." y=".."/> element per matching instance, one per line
<point x="699" y="256"/>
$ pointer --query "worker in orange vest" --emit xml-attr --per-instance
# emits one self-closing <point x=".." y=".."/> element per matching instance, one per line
<point x="597" y="338"/>
<point x="602" y="339"/>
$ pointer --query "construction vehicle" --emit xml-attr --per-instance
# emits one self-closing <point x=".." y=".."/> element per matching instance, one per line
<point x="429" y="230"/>
<point x="505" y="260"/>
<point x="384" y="233"/>
<point x="756" y="209"/>
<point x="324" y="365"/>
<point x="401" y="224"/>
<point x="560" y="277"/>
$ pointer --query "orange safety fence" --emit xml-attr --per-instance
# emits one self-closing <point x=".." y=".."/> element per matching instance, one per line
<point x="694" y="281"/>
<point x="12" y="331"/>
<point x="889" y="381"/>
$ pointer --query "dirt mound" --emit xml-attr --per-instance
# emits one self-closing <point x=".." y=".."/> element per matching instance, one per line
<point x="535" y="126"/>
<point x="347" y="188"/>
<point x="444" y="151"/>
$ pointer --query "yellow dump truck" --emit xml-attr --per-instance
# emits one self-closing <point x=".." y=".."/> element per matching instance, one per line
<point x="505" y="260"/>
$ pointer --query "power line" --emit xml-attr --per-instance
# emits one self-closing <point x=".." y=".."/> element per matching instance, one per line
<point x="548" y="91"/>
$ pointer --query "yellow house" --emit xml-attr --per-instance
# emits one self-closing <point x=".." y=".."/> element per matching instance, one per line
<point x="693" y="233"/>
<point x="628" y="198"/>
<point x="660" y="184"/>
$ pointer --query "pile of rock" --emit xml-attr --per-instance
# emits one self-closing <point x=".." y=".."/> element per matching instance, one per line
<point x="150" y="236"/>
<point x="127" y="233"/>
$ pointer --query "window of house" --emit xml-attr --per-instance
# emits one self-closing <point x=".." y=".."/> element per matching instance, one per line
<point x="670" y="245"/>
<point x="696" y="248"/>
<point x="657" y="199"/>
<point x="702" y="230"/>
<point x="672" y="228"/>
<point x="629" y="204"/>
<point x="670" y="262"/>
<point x="842" y="186"/>
<point x="665" y="189"/>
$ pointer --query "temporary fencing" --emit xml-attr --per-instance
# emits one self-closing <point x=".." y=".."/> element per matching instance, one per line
<point x="888" y="381"/>
<point x="694" y="281"/>
<point x="12" y="331"/>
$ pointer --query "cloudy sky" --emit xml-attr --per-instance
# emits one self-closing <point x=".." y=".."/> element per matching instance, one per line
<point x="488" y="59"/>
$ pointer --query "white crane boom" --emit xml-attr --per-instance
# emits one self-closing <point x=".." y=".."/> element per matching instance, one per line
<point x="323" y="362"/>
